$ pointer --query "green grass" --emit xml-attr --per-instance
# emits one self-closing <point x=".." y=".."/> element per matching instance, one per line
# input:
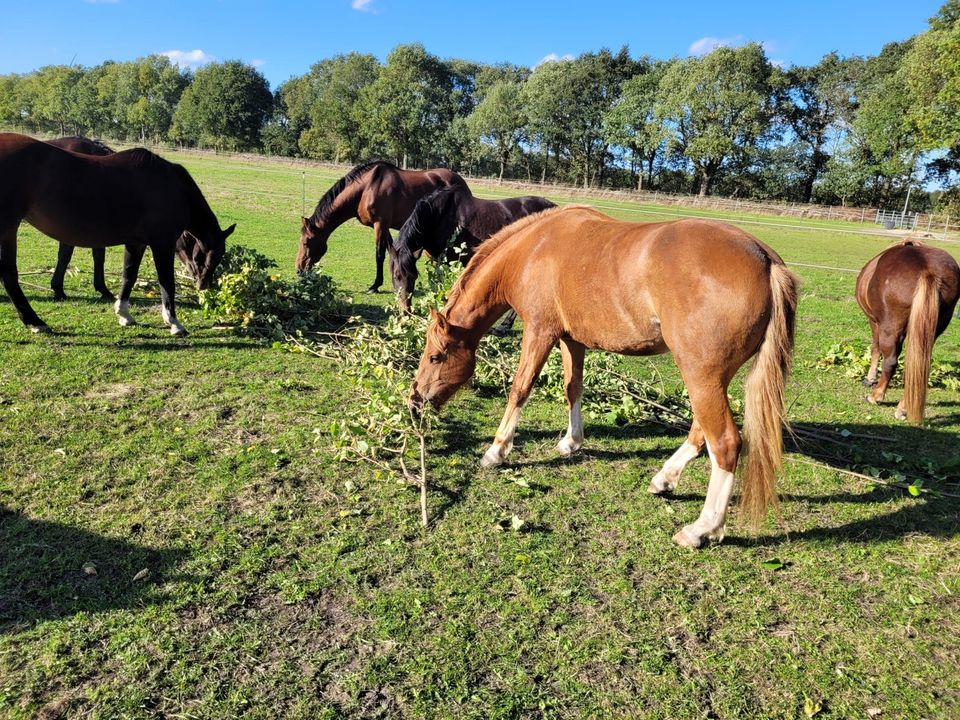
<point x="204" y="461"/>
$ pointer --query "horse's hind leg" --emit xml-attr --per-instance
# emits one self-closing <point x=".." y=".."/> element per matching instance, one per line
<point x="572" y="353"/>
<point x="132" y="256"/>
<point x="889" y="345"/>
<point x="64" y="255"/>
<point x="720" y="432"/>
<point x="667" y="479"/>
<point x="99" y="282"/>
<point x="533" y="354"/>
<point x="871" y="379"/>
<point x="11" y="283"/>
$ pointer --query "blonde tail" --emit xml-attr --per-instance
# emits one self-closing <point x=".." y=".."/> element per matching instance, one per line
<point x="921" y="332"/>
<point x="763" y="406"/>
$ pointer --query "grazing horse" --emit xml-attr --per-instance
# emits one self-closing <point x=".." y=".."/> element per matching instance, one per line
<point x="132" y="198"/>
<point x="447" y="218"/>
<point x="907" y="292"/>
<point x="380" y="195"/>
<point x="706" y="291"/>
<point x="84" y="146"/>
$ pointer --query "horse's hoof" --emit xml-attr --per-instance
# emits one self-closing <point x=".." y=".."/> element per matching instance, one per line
<point x="59" y="296"/>
<point x="869" y="398"/>
<point x="867" y="382"/>
<point x="178" y="330"/>
<point x="685" y="538"/>
<point x="373" y="290"/>
<point x="567" y="447"/>
<point x="126" y="321"/>
<point x="107" y="296"/>
<point x="900" y="414"/>
<point x="491" y="459"/>
<point x="660" y="485"/>
<point x="40" y="328"/>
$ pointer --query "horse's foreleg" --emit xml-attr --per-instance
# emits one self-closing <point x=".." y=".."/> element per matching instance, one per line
<point x="11" y="283"/>
<point x="64" y="255"/>
<point x="99" y="282"/>
<point x="871" y="379"/>
<point x="382" y="235"/>
<point x="572" y="353"/>
<point x="533" y="354"/>
<point x="711" y="408"/>
<point x="163" y="261"/>
<point x="132" y="255"/>
<point x="667" y="479"/>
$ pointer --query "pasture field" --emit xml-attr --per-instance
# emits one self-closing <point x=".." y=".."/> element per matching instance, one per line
<point x="177" y="541"/>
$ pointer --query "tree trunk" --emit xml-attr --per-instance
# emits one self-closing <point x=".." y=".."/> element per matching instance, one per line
<point x="546" y="161"/>
<point x="706" y="179"/>
<point x="503" y="164"/>
<point x="650" y="162"/>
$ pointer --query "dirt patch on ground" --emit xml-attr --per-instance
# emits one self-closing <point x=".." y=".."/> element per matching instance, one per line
<point x="111" y="391"/>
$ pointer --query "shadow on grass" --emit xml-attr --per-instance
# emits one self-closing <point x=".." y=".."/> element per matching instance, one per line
<point x="42" y="573"/>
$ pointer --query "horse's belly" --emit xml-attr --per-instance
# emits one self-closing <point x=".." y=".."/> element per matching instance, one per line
<point x="636" y="336"/>
<point x="74" y="232"/>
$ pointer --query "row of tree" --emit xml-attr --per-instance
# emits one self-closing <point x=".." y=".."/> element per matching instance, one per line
<point x="855" y="130"/>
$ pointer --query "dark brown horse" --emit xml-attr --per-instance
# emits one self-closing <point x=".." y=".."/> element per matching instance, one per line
<point x="84" y="146"/>
<point x="706" y="291"/>
<point x="907" y="292"/>
<point x="380" y="195"/>
<point x="132" y="198"/>
<point x="447" y="219"/>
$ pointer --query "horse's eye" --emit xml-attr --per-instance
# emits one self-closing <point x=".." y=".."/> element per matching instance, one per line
<point x="435" y="359"/>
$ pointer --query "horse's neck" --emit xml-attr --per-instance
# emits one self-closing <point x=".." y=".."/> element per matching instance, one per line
<point x="483" y="301"/>
<point x="343" y="207"/>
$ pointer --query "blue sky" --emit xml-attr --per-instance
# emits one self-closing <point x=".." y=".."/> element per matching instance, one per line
<point x="284" y="37"/>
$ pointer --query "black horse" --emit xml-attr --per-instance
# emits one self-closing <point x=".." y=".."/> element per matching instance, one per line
<point x="84" y="146"/>
<point x="132" y="198"/>
<point x="449" y="224"/>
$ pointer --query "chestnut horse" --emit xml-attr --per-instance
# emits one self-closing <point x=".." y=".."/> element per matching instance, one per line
<point x="447" y="218"/>
<point x="907" y="292"/>
<point x="706" y="291"/>
<point x="132" y="198"/>
<point x="380" y="195"/>
<point x="84" y="146"/>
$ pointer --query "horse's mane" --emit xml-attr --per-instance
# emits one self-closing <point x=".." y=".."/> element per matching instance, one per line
<point x="139" y="157"/>
<point x="326" y="202"/>
<point x="494" y="242"/>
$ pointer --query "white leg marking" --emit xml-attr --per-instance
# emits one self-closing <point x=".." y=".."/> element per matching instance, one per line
<point x="122" y="309"/>
<point x="712" y="520"/>
<point x="666" y="480"/>
<point x="175" y="327"/>
<point x="503" y="441"/>
<point x="573" y="440"/>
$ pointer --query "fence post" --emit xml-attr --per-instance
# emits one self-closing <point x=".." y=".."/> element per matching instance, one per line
<point x="303" y="193"/>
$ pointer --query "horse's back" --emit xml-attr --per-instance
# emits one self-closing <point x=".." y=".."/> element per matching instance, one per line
<point x="887" y="284"/>
<point x="641" y="288"/>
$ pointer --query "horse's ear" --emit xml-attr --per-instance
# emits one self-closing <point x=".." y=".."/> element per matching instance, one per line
<point x="305" y="223"/>
<point x="229" y="231"/>
<point x="439" y="318"/>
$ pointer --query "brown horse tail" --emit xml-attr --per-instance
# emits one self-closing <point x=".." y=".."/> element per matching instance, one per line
<point x="763" y="407"/>
<point x="921" y="332"/>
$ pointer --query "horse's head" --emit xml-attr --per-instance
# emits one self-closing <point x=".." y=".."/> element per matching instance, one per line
<point x="448" y="361"/>
<point x="313" y="244"/>
<point x="202" y="256"/>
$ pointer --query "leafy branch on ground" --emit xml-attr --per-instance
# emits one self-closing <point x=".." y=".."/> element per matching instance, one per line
<point x="248" y="296"/>
<point x="854" y="359"/>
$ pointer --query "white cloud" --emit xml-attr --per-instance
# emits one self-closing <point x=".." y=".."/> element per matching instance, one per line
<point x="708" y="44"/>
<point x="257" y="62"/>
<point x="363" y="6"/>
<point x="188" y="58"/>
<point x="552" y="57"/>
